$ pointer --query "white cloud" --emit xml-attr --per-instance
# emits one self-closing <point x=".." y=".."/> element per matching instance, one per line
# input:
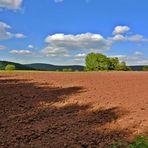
<point x="54" y="51"/>
<point x="143" y="62"/>
<point x="30" y="46"/>
<point x="119" y="37"/>
<point x="134" y="59"/>
<point x="64" y="43"/>
<point x="2" y="47"/>
<point x="118" y="56"/>
<point x="58" y="1"/>
<point x="10" y="4"/>
<point x="80" y="55"/>
<point x="129" y="58"/>
<point x="4" y="26"/>
<point x="134" y="38"/>
<point x="138" y="53"/>
<point x="20" y="35"/>
<point x="3" y="33"/>
<point x="21" y="52"/>
<point x="121" y="29"/>
<point x="67" y="55"/>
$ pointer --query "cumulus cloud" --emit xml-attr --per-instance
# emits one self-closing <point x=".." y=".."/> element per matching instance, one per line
<point x="143" y="62"/>
<point x="20" y="35"/>
<point x="118" y="56"/>
<point x="10" y="4"/>
<point x="121" y="29"/>
<point x="54" y="51"/>
<point x="67" y="55"/>
<point x="30" y="46"/>
<point x="5" y="34"/>
<point x="80" y="55"/>
<point x="2" y="47"/>
<point x="134" y="38"/>
<point x="21" y="52"/>
<point x="138" y="53"/>
<point x="64" y="43"/>
<point x="119" y="37"/>
<point x="135" y="59"/>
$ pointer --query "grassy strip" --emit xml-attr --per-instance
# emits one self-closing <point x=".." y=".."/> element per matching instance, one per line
<point x="139" y="142"/>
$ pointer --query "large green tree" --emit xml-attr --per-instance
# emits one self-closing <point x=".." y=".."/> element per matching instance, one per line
<point x="100" y="62"/>
<point x="96" y="61"/>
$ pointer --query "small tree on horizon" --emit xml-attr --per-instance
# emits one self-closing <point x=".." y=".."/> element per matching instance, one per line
<point x="10" y="67"/>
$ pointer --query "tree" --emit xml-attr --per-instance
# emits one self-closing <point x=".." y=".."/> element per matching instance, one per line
<point x="122" y="67"/>
<point x="10" y="67"/>
<point x="1" y="67"/>
<point x="145" y="68"/>
<point x="96" y="62"/>
<point x="100" y="62"/>
<point x="114" y="62"/>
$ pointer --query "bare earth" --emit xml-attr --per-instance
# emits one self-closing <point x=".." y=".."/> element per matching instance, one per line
<point x="73" y="110"/>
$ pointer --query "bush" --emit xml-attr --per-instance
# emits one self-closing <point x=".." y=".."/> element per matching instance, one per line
<point x="10" y="67"/>
<point x="76" y="70"/>
<point x="145" y="68"/>
<point x="140" y="142"/>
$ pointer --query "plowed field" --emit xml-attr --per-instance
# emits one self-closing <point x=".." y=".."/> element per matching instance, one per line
<point x="73" y="110"/>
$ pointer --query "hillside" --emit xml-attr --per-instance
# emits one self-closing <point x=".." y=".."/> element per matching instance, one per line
<point x="137" y="67"/>
<point x="17" y="65"/>
<point x="49" y="67"/>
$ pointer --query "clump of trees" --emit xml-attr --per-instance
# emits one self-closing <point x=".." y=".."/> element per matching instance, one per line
<point x="10" y="67"/>
<point x="145" y="68"/>
<point x="100" y="62"/>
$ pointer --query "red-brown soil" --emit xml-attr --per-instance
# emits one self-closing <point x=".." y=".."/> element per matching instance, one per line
<point x="73" y="110"/>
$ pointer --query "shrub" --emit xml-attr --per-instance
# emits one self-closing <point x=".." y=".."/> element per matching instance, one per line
<point x="76" y="70"/>
<point x="140" y="142"/>
<point x="10" y="67"/>
<point x="145" y="68"/>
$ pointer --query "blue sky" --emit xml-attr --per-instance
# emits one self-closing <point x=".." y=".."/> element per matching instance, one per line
<point x="65" y="31"/>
